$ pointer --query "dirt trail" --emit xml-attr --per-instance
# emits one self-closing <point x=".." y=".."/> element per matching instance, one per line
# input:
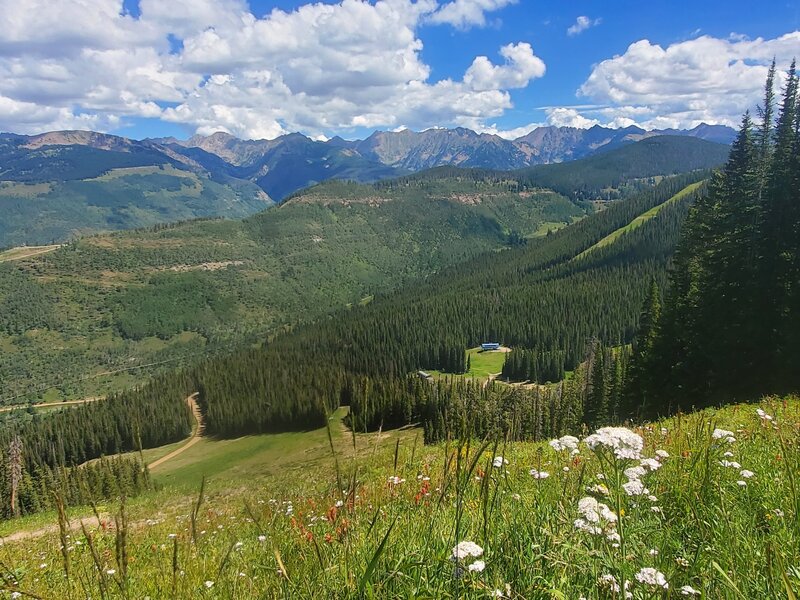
<point x="106" y="520"/>
<point x="49" y="404"/>
<point x="26" y="252"/>
<point x="91" y="523"/>
<point x="195" y="437"/>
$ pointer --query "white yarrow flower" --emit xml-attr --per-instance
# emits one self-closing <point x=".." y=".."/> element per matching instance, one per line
<point x="567" y="442"/>
<point x="662" y="454"/>
<point x="688" y="590"/>
<point x="652" y="577"/>
<point x="499" y="461"/>
<point x="723" y="434"/>
<point x="477" y="566"/>
<point x="539" y="474"/>
<point x="466" y="548"/>
<point x="763" y="415"/>
<point x="208" y="584"/>
<point x="746" y="474"/>
<point x="625" y="444"/>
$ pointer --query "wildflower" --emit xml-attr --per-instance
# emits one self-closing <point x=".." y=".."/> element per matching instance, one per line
<point x="339" y="503"/>
<point x="625" y="443"/>
<point x="466" y="548"/>
<point x="477" y="566"/>
<point x="111" y="571"/>
<point x="741" y="483"/>
<point x="723" y="434"/>
<point x="262" y="538"/>
<point x="15" y="595"/>
<point x="682" y="562"/>
<point x="208" y="584"/>
<point x="238" y="545"/>
<point x="730" y="463"/>
<point x="395" y="480"/>
<point x="635" y="472"/>
<point x="746" y="474"/>
<point x="172" y="536"/>
<point x="567" y="442"/>
<point x="613" y="536"/>
<point x="655" y="509"/>
<point x="662" y="454"/>
<point x="565" y="469"/>
<point x="778" y="512"/>
<point x="652" y="498"/>
<point x="635" y="488"/>
<point x="663" y="431"/>
<point x="653" y="552"/>
<point x="652" y="577"/>
<point x="727" y="454"/>
<point x="763" y="416"/>
<point x="650" y="463"/>
<point x="516" y="497"/>
<point x="499" y="461"/>
<point x="539" y="474"/>
<point x="598" y="488"/>
<point x="688" y="590"/>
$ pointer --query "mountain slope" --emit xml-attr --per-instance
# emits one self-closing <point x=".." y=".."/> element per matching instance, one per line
<point x="62" y="184"/>
<point x="111" y="302"/>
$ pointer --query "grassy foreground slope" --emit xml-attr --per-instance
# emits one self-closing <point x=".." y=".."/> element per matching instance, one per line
<point x="86" y="318"/>
<point x="719" y="519"/>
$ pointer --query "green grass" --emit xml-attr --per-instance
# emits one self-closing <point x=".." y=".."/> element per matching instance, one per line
<point x="394" y="540"/>
<point x="641" y="219"/>
<point x="482" y="365"/>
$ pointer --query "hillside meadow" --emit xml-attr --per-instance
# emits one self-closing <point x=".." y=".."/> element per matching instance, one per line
<point x="702" y="505"/>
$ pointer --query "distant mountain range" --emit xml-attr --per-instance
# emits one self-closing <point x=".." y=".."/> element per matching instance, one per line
<point x="293" y="161"/>
<point x="60" y="184"/>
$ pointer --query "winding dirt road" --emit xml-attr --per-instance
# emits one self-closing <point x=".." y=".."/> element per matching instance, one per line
<point x="195" y="437"/>
<point x="107" y="521"/>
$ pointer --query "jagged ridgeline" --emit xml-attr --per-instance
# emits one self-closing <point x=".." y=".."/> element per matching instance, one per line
<point x="43" y="453"/>
<point x="555" y="295"/>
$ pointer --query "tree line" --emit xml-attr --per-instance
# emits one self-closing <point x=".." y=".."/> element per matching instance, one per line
<point x="730" y="319"/>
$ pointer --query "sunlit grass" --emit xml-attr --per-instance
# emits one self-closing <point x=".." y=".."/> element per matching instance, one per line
<point x="383" y="522"/>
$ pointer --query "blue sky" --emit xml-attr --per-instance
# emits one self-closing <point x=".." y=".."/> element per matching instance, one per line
<point x="261" y="69"/>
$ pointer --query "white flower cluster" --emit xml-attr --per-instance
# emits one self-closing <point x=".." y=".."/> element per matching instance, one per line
<point x="465" y="552"/>
<point x="539" y="474"/>
<point x="723" y="434"/>
<point x="499" y="461"/>
<point x="567" y="442"/>
<point x="625" y="443"/>
<point x="652" y="577"/>
<point x="596" y="517"/>
<point x="763" y="416"/>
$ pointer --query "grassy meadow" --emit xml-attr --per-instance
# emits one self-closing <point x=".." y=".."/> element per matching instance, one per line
<point x="707" y="508"/>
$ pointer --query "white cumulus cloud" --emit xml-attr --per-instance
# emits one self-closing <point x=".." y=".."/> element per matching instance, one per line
<point x="705" y="79"/>
<point x="213" y="65"/>
<point x="464" y="14"/>
<point x="581" y="24"/>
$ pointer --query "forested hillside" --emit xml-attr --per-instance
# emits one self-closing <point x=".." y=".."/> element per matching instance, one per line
<point x="107" y="303"/>
<point x="537" y="296"/>
<point x="57" y="187"/>
<point x="730" y="323"/>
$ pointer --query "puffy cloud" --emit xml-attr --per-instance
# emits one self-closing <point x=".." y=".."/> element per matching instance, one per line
<point x="705" y="79"/>
<point x="581" y="24"/>
<point x="520" y="67"/>
<point x="569" y="117"/>
<point x="214" y="66"/>
<point x="464" y="14"/>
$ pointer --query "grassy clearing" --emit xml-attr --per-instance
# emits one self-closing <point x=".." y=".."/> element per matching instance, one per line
<point x="641" y="219"/>
<point x="387" y="527"/>
<point x="482" y="365"/>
